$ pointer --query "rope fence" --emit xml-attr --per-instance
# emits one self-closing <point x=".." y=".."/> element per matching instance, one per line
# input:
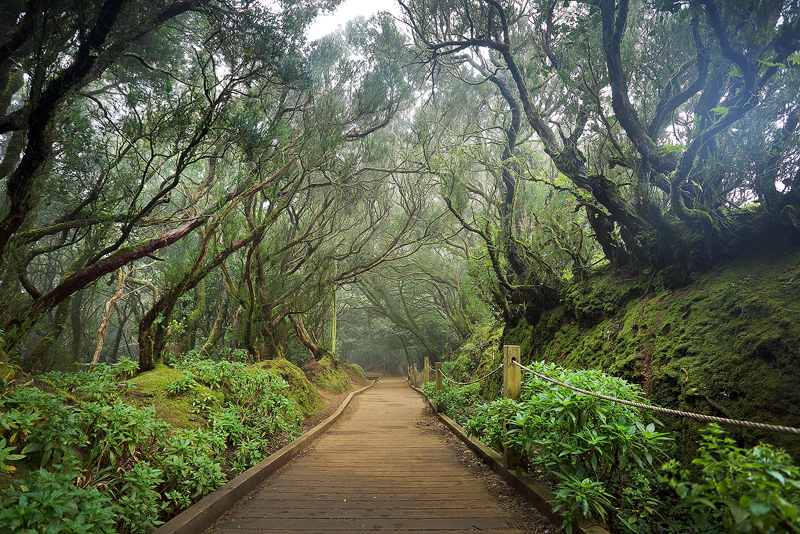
<point x="696" y="416"/>
<point x="512" y="389"/>
<point x="484" y="377"/>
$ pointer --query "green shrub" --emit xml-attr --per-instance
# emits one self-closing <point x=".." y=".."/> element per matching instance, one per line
<point x="139" y="505"/>
<point x="110" y="467"/>
<point x="590" y="450"/>
<point x="190" y="467"/>
<point x="183" y="385"/>
<point x="457" y="402"/>
<point x="50" y="502"/>
<point x="750" y="490"/>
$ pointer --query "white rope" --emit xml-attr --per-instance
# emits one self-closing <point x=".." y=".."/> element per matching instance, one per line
<point x="697" y="416"/>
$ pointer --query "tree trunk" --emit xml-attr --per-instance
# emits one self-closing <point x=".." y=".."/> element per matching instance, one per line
<point x="76" y="322"/>
<point x="153" y="331"/>
<point x="316" y="351"/>
<point x="16" y="327"/>
<point x="107" y="310"/>
<point x="217" y="331"/>
<point x="37" y="360"/>
<point x="197" y="314"/>
<point x="123" y="318"/>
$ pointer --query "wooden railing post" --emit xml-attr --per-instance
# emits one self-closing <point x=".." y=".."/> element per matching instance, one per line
<point x="439" y="407"/>
<point x="415" y="378"/>
<point x="511" y="373"/>
<point x="426" y="370"/>
<point x="511" y="390"/>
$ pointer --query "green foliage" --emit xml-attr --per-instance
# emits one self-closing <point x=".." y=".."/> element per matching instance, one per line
<point x="457" y="401"/>
<point x="750" y="490"/>
<point x="50" y="502"/>
<point x="590" y="449"/>
<point x="256" y="412"/>
<point x="140" y="504"/>
<point x="106" y="466"/>
<point x="191" y="469"/>
<point x="7" y="455"/>
<point x="576" y="498"/>
<point x="300" y="389"/>
<point x="185" y="384"/>
<point x="728" y="339"/>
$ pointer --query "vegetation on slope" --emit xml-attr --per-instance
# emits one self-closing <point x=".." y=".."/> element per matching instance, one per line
<point x="106" y="451"/>
<point x="726" y="345"/>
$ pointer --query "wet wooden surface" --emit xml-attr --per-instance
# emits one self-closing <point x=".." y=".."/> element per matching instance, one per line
<point x="374" y="470"/>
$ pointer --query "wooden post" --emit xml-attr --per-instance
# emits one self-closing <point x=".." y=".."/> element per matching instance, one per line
<point x="439" y="407"/>
<point x="426" y="370"/>
<point x="511" y="390"/>
<point x="511" y="373"/>
<point x="415" y="379"/>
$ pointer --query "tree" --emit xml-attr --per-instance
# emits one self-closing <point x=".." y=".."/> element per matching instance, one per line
<point x="664" y="146"/>
<point x="120" y="111"/>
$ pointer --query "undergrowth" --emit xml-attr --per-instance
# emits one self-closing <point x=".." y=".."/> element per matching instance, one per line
<point x="96" y="464"/>
<point x="609" y="462"/>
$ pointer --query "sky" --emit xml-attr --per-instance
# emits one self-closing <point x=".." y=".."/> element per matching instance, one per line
<point x="349" y="9"/>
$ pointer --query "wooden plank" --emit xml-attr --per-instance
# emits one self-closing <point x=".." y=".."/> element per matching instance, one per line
<point x="305" y="531"/>
<point x="333" y="525"/>
<point x="362" y="513"/>
<point x="334" y="504"/>
<point x="375" y="470"/>
<point x="356" y="494"/>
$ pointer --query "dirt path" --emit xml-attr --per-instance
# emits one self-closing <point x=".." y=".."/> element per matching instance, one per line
<point x="379" y="468"/>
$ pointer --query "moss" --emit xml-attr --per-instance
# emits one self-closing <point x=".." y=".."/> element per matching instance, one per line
<point x="151" y="390"/>
<point x="354" y="371"/>
<point x="327" y="374"/>
<point x="726" y="345"/>
<point x="481" y="354"/>
<point x="9" y="371"/>
<point x="300" y="389"/>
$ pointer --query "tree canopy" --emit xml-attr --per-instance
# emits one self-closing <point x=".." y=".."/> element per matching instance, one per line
<point x="196" y="176"/>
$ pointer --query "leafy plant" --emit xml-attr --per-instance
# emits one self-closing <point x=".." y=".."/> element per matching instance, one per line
<point x="750" y="490"/>
<point x="456" y="401"/>
<point x="190" y="469"/>
<point x="7" y="455"/>
<point x="203" y="403"/>
<point x="578" y="498"/>
<point x="139" y="505"/>
<point x="50" y="502"/>
<point x="589" y="449"/>
<point x="185" y="384"/>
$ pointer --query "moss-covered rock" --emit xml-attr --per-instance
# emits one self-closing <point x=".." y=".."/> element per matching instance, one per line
<point x="177" y="410"/>
<point x="354" y="371"/>
<point x="9" y="371"/>
<point x="300" y="389"/>
<point x="329" y="374"/>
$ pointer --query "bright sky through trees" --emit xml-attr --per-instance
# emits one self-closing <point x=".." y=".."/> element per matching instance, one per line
<point x="347" y="10"/>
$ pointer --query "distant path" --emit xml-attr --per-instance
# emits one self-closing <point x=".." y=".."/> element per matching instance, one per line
<point x="374" y="470"/>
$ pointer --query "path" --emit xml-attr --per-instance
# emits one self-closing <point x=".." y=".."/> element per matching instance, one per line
<point x="374" y="470"/>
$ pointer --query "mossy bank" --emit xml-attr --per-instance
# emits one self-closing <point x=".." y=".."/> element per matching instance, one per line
<point x="726" y="345"/>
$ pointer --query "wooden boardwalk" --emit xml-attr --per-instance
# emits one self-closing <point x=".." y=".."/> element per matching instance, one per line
<point x="374" y="470"/>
